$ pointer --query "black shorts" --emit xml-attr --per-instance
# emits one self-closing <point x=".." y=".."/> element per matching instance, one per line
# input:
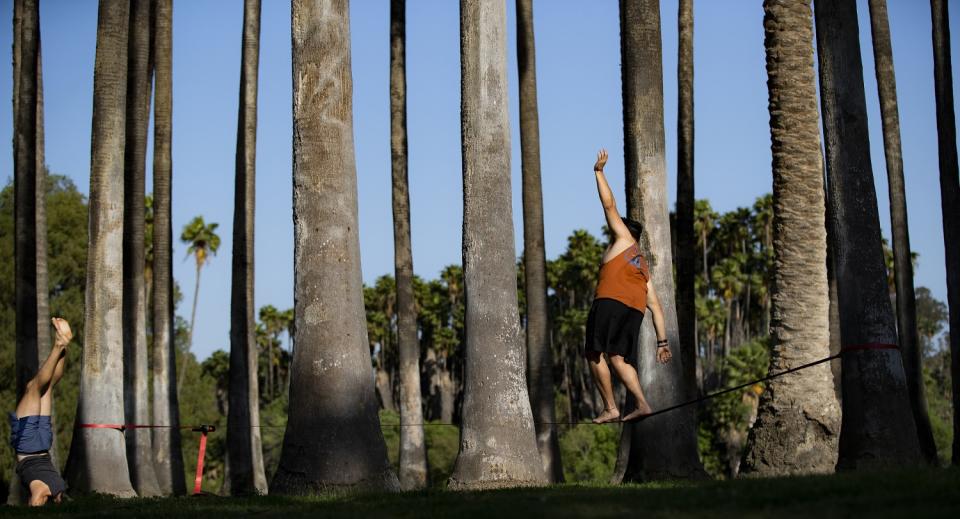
<point x="613" y="328"/>
<point x="40" y="468"/>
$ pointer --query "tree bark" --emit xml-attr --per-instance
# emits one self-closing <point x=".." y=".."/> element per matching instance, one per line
<point x="539" y="351"/>
<point x="498" y="446"/>
<point x="664" y="446"/>
<point x="798" y="420"/>
<point x="167" y="456"/>
<point x="98" y="461"/>
<point x="949" y="194"/>
<point x="246" y="474"/>
<point x="136" y="393"/>
<point x="878" y="427"/>
<point x="686" y="241"/>
<point x="333" y="439"/>
<point x="903" y="265"/>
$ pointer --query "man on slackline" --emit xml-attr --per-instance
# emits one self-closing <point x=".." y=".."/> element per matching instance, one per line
<point x="623" y="294"/>
<point x="31" y="433"/>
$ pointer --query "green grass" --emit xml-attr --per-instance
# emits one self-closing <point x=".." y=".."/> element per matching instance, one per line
<point x="920" y="493"/>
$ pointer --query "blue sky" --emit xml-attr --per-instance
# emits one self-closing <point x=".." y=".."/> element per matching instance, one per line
<point x="578" y="74"/>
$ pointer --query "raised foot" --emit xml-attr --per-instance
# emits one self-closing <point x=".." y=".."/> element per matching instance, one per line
<point x="637" y="414"/>
<point x="609" y="415"/>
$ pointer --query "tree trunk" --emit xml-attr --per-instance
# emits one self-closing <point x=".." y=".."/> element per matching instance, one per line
<point x="949" y="194"/>
<point x="243" y="418"/>
<point x="798" y="420"/>
<point x="413" y="450"/>
<point x="903" y="266"/>
<point x="333" y="439"/>
<point x="168" y="458"/>
<point x="878" y="427"/>
<point x="664" y="446"/>
<point x="136" y="393"/>
<point x="539" y="352"/>
<point x="98" y="461"/>
<point x="193" y="320"/>
<point x="686" y="241"/>
<point x="498" y="445"/>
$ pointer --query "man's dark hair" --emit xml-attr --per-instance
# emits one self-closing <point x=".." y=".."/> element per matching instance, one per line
<point x="636" y="230"/>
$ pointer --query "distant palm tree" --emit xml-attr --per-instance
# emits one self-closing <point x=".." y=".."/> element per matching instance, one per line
<point x="202" y="241"/>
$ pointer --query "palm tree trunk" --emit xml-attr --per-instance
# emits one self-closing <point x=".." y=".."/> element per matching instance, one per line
<point x="798" y="421"/>
<point x="665" y="446"/>
<point x="168" y="458"/>
<point x="539" y="352"/>
<point x="98" y="461"/>
<point x="686" y="241"/>
<point x="193" y="320"/>
<point x="878" y="427"/>
<point x="949" y="194"/>
<point x="498" y="446"/>
<point x="413" y="452"/>
<point x="333" y="438"/>
<point x="244" y="450"/>
<point x="136" y="393"/>
<point x="903" y="266"/>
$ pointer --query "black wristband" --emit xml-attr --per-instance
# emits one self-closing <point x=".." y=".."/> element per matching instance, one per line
<point x="663" y="343"/>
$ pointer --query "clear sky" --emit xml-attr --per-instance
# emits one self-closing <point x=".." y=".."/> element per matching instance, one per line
<point x="578" y="74"/>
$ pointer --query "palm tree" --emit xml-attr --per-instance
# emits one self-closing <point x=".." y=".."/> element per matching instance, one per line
<point x="539" y="352"/>
<point x="878" y="427"/>
<point x="136" y="393"/>
<point x="246" y="474"/>
<point x="498" y="446"/>
<point x="686" y="246"/>
<point x="798" y="420"/>
<point x="665" y="446"/>
<point x="202" y="241"/>
<point x="413" y="452"/>
<point x="98" y="461"/>
<point x="949" y="193"/>
<point x="903" y="267"/>
<point x="333" y="438"/>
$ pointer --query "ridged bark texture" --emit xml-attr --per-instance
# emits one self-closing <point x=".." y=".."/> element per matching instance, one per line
<point x="135" y="370"/>
<point x="664" y="446"/>
<point x="949" y="194"/>
<point x="686" y="241"/>
<point x="498" y="446"/>
<point x="539" y="352"/>
<point x="98" y="460"/>
<point x="878" y="428"/>
<point x="413" y="450"/>
<point x="167" y="456"/>
<point x="333" y="439"/>
<point x="246" y="474"/>
<point x="903" y="265"/>
<point x="798" y="421"/>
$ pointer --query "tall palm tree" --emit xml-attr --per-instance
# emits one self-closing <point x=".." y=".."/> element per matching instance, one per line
<point x="202" y="241"/>
<point x="949" y="193"/>
<point x="539" y="352"/>
<point x="686" y="242"/>
<point x="98" y="461"/>
<point x="168" y="458"/>
<point x="903" y="266"/>
<point x="333" y="438"/>
<point x="413" y="452"/>
<point x="246" y="475"/>
<point x="878" y="427"/>
<point x="136" y="394"/>
<point x="664" y="446"/>
<point x="498" y="446"/>
<point x="798" y="420"/>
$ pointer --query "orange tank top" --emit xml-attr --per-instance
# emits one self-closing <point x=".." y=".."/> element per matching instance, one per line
<point x="624" y="278"/>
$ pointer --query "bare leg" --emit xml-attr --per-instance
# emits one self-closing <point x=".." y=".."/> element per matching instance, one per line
<point x="31" y="401"/>
<point x="601" y="377"/>
<point x="628" y="375"/>
<point x="46" y="400"/>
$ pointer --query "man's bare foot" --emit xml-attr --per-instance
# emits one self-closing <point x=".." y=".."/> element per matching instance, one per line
<point x="607" y="416"/>
<point x="642" y="410"/>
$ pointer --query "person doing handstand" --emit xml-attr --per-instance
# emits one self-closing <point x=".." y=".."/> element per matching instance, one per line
<point x="31" y="433"/>
<point x="623" y="294"/>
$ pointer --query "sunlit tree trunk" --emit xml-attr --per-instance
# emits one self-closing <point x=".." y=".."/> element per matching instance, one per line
<point x="498" y="446"/>
<point x="98" y="460"/>
<point x="878" y="427"/>
<point x="333" y="438"/>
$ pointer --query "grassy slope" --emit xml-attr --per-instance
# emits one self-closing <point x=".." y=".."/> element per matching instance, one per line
<point x="927" y="493"/>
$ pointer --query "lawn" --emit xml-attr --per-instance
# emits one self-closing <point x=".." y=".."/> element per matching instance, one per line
<point x="918" y="493"/>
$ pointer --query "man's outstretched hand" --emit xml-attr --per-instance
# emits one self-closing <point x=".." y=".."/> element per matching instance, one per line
<point x="64" y="333"/>
<point x="601" y="160"/>
<point x="663" y="354"/>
